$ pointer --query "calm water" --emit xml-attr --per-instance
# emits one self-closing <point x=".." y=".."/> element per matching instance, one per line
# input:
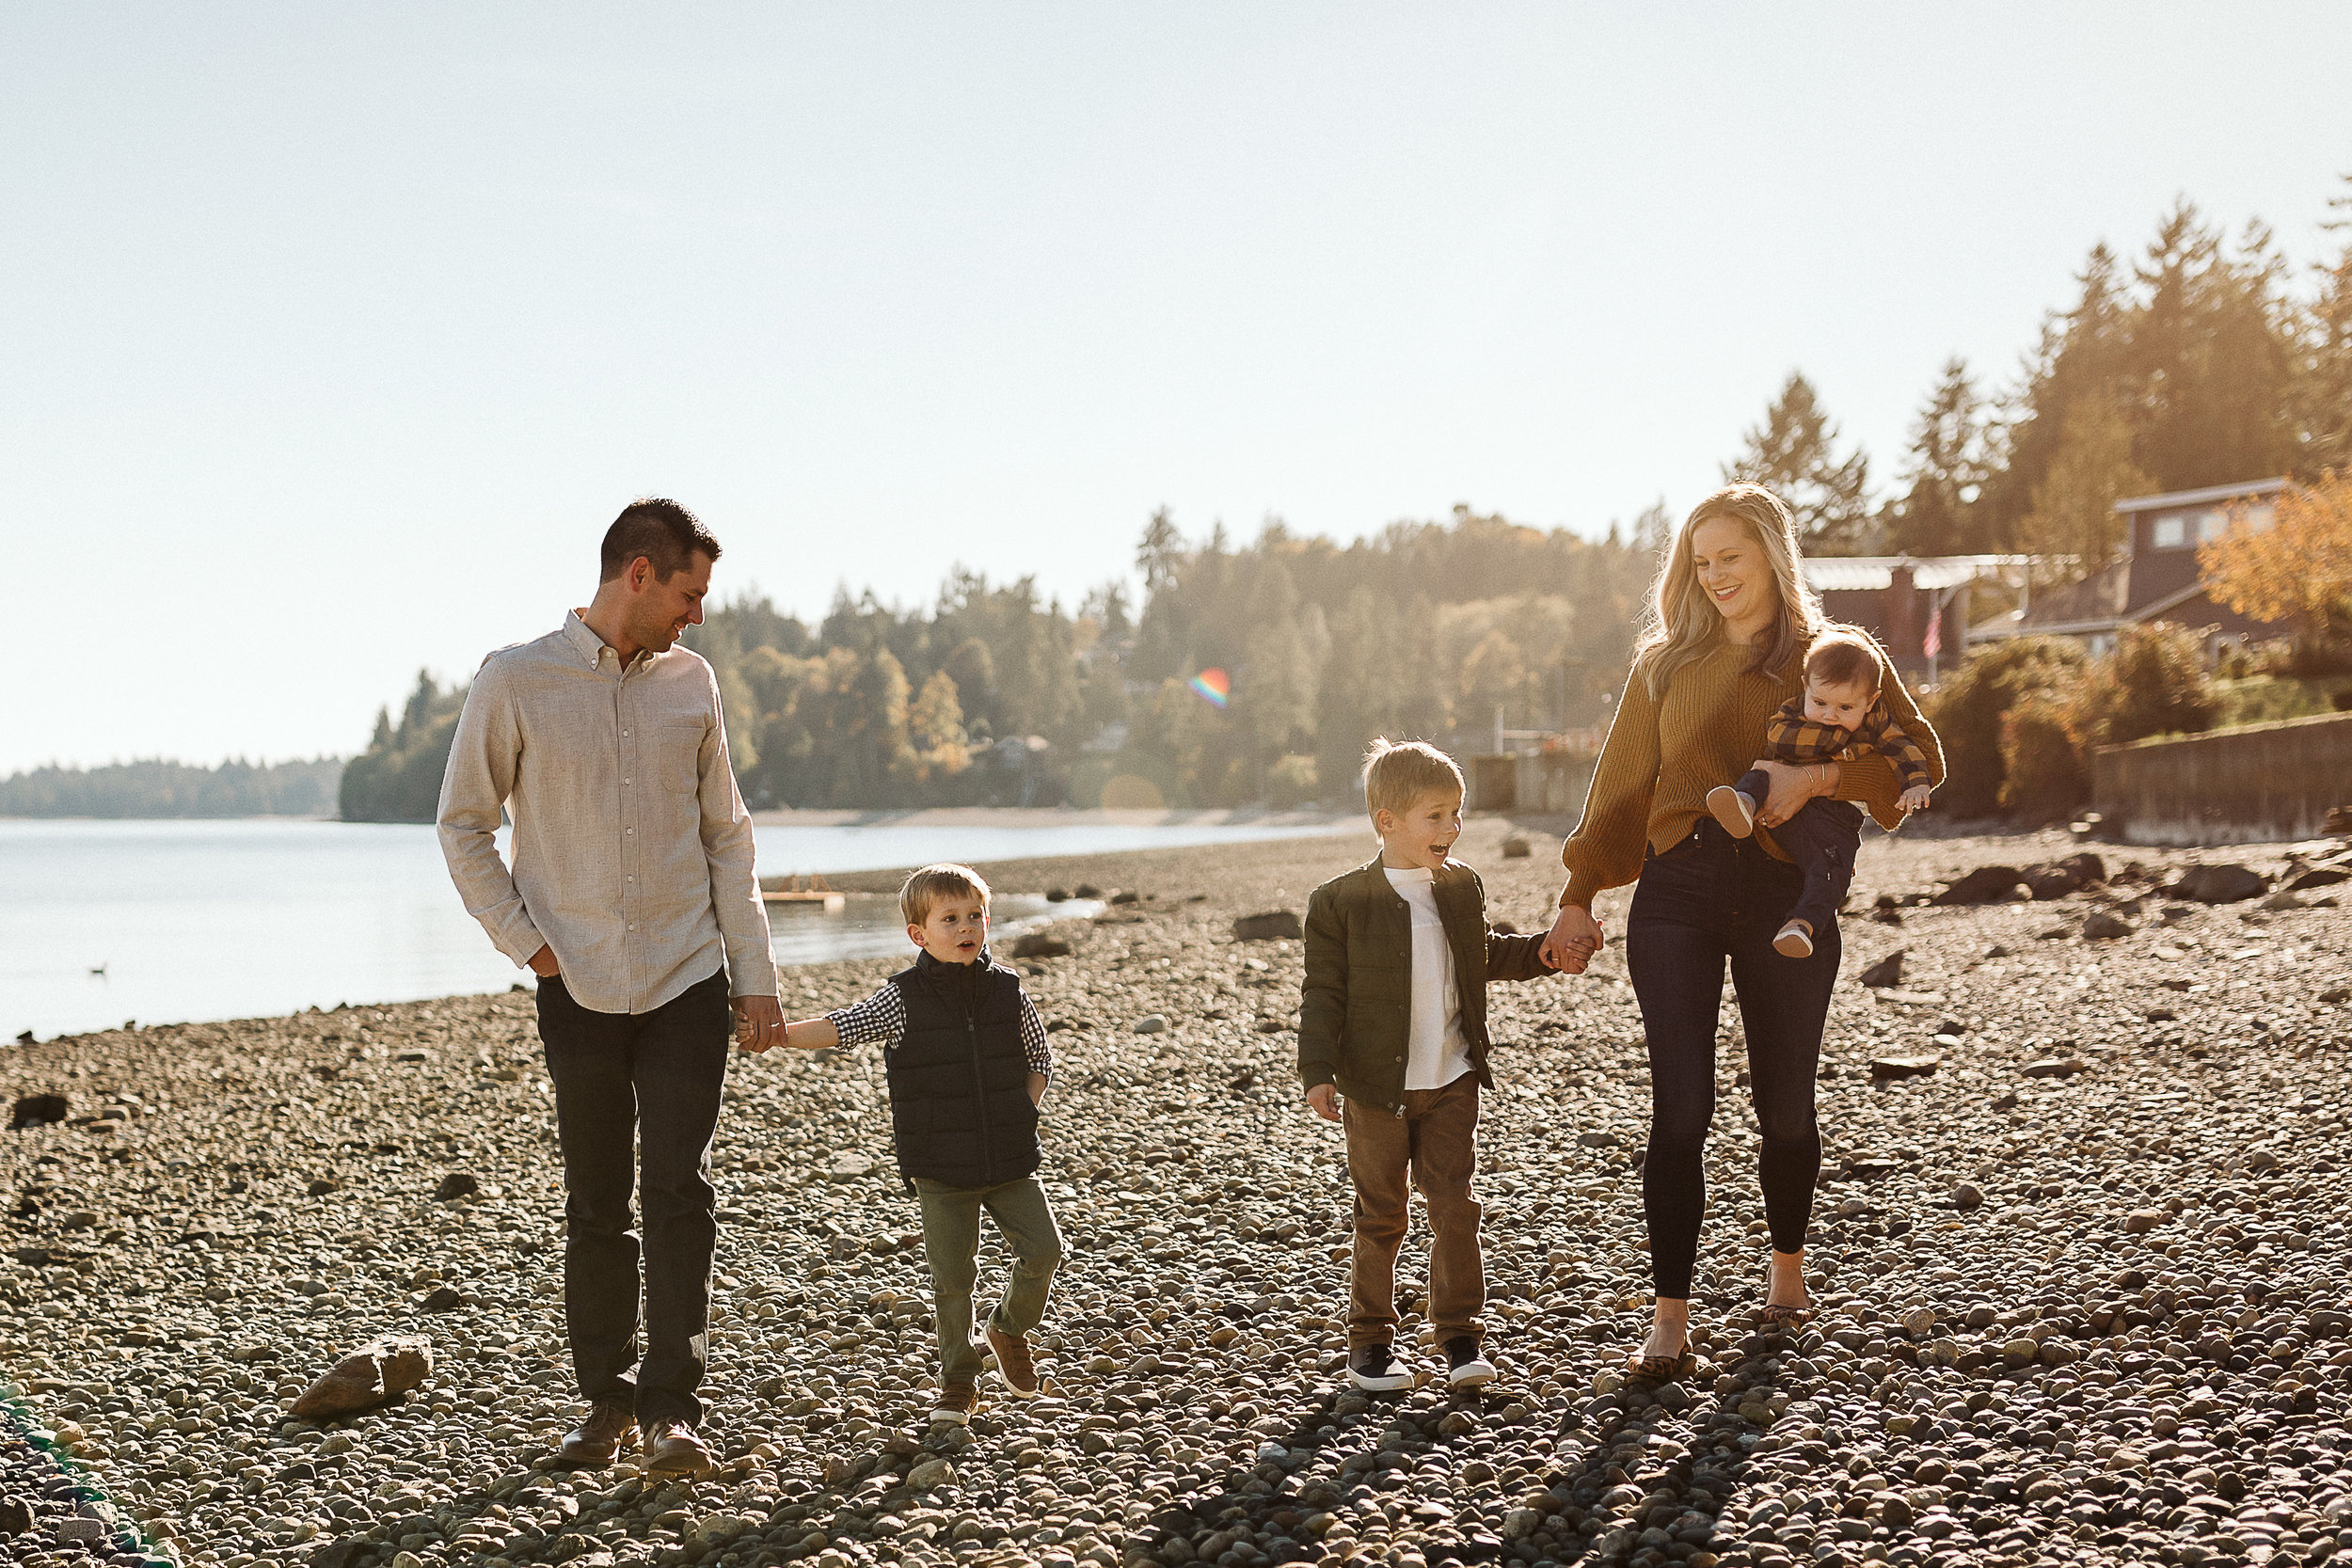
<point x="193" y="921"/>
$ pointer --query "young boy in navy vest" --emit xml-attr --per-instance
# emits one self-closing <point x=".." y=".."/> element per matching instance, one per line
<point x="967" y="1065"/>
<point x="1392" y="1043"/>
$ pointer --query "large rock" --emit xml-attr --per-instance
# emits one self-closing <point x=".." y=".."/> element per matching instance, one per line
<point x="38" y="1110"/>
<point x="1891" y="1069"/>
<point x="2104" y="926"/>
<point x="2051" y="881"/>
<point x="1516" y="848"/>
<point x="1986" y="884"/>
<point x="1037" y="944"/>
<point x="376" y="1371"/>
<point x="2056" y="1067"/>
<point x="2218" y="884"/>
<point x="1272" y="925"/>
<point x="1886" y="973"/>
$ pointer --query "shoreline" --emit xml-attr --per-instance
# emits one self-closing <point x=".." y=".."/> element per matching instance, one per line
<point x="2113" y="1136"/>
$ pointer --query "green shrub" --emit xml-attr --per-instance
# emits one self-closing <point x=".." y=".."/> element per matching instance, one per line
<point x="2305" y="659"/>
<point x="2264" y="699"/>
<point x="1967" y="709"/>
<point x="2043" y="776"/>
<point x="2154" y="683"/>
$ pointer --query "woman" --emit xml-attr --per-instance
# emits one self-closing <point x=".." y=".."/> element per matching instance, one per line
<point x="1724" y="646"/>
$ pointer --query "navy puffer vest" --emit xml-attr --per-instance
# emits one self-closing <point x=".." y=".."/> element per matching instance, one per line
<point x="960" y="1106"/>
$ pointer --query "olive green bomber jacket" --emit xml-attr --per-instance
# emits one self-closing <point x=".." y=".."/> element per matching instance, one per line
<point x="1354" y="1016"/>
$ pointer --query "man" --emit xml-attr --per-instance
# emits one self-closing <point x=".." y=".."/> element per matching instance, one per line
<point x="633" y="898"/>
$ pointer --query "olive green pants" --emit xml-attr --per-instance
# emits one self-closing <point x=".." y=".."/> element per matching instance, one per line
<point x="951" y="1245"/>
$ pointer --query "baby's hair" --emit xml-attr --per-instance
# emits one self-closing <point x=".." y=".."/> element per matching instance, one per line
<point x="1843" y="657"/>
<point x="922" y="892"/>
<point x="1398" y="772"/>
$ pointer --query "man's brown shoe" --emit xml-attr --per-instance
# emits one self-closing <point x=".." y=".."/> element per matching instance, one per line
<point x="600" y="1436"/>
<point x="1014" y="1363"/>
<point x="673" y="1449"/>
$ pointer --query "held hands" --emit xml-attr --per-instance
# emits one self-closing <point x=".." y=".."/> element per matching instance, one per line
<point x="1915" y="799"/>
<point x="759" y="1022"/>
<point x="1576" y="936"/>
<point x="1323" y="1101"/>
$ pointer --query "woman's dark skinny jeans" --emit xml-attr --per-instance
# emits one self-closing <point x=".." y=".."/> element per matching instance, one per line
<point x="1711" y="898"/>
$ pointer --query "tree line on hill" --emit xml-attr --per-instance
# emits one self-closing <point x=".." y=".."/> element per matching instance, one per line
<point x="1254" y="673"/>
<point x="157" y="788"/>
<point x="1257" y="672"/>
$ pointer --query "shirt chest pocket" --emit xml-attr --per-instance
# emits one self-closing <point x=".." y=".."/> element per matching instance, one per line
<point x="678" y="755"/>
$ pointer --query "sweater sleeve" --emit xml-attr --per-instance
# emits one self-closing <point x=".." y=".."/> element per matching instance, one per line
<point x="1607" y="845"/>
<point x="1605" y="850"/>
<point x="1876" y="782"/>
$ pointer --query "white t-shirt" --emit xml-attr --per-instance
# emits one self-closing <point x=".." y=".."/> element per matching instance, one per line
<point x="1437" y="1054"/>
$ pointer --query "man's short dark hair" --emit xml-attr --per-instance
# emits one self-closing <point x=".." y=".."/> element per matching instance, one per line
<point x="662" y="531"/>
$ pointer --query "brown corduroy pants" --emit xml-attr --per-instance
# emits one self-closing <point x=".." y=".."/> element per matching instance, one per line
<point x="1433" y="1146"/>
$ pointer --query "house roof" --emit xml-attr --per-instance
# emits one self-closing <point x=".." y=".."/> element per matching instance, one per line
<point x="2094" y="603"/>
<point x="2243" y="490"/>
<point x="1831" y="573"/>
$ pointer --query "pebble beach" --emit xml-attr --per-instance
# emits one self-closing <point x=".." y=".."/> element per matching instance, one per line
<point x="2079" y="1255"/>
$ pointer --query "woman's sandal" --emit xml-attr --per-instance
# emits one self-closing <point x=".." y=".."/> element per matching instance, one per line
<point x="1662" y="1369"/>
<point x="1786" y="1319"/>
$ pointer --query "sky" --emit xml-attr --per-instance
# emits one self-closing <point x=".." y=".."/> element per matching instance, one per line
<point x="332" y="337"/>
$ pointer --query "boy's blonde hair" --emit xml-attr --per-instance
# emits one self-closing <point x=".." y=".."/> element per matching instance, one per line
<point x="921" y="892"/>
<point x="1843" y="656"/>
<point x="1398" y="772"/>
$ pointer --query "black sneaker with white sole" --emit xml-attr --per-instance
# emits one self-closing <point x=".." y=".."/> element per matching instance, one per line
<point x="1375" y="1368"/>
<point x="1465" y="1366"/>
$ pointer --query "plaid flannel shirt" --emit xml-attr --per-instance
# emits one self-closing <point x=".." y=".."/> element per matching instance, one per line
<point x="1790" y="736"/>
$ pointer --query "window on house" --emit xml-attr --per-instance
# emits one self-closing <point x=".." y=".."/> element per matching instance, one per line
<point x="2169" y="531"/>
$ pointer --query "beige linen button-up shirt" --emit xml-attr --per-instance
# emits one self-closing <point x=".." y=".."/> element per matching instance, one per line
<point x="632" y="847"/>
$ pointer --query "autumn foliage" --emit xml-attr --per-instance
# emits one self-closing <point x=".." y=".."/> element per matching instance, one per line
<point x="2296" y="571"/>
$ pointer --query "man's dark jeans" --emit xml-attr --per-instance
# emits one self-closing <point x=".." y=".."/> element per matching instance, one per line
<point x="1822" y="839"/>
<point x="1709" y="900"/>
<point x="621" y="1079"/>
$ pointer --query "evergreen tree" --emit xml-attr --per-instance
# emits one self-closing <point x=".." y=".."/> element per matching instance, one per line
<point x="2322" y="387"/>
<point x="1793" y="454"/>
<point x="2074" y="522"/>
<point x="2209" y="358"/>
<point x="1944" y="479"/>
<point x="2079" y="359"/>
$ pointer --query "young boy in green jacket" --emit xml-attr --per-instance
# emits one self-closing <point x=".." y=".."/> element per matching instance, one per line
<point x="1392" y="1044"/>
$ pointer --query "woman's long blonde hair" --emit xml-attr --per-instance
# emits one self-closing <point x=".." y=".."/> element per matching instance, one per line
<point x="1684" y="625"/>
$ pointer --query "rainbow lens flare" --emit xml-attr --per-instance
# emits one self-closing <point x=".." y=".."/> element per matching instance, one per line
<point x="1213" y="685"/>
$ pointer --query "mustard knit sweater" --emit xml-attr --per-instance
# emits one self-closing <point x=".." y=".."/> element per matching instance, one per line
<point x="1664" y="753"/>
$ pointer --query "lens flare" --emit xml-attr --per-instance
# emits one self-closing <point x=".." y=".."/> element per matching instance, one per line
<point x="1213" y="685"/>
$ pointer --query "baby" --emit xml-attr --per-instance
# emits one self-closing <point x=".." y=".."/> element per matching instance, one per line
<point x="1840" y="714"/>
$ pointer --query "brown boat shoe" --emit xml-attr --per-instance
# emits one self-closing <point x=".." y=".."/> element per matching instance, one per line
<point x="597" y="1439"/>
<point x="955" y="1405"/>
<point x="1015" y="1363"/>
<point x="672" y="1448"/>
